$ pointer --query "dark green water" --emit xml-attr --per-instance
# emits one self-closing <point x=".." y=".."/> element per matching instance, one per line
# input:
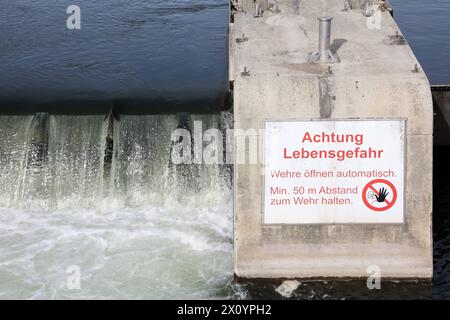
<point x="154" y="55"/>
<point x="426" y="26"/>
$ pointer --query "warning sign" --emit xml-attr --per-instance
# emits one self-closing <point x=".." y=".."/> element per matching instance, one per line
<point x="379" y="195"/>
<point x="339" y="171"/>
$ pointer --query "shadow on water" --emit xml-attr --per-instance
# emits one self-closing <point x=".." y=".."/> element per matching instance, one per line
<point x="441" y="193"/>
<point x="441" y="223"/>
<point x="342" y="290"/>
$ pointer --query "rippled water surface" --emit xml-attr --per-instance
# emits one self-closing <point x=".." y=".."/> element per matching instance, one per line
<point x="140" y="50"/>
<point x="426" y="26"/>
<point x="142" y="253"/>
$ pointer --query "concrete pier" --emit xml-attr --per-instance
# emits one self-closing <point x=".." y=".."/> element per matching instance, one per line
<point x="441" y="97"/>
<point x="378" y="77"/>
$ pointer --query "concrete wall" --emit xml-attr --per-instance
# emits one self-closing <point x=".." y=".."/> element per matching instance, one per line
<point x="375" y="78"/>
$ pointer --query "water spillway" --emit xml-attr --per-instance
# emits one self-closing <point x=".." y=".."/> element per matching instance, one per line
<point x="142" y="167"/>
<point x="15" y="133"/>
<point x="82" y="188"/>
<point x="135" y="224"/>
<point x="64" y="159"/>
<point x="49" y="158"/>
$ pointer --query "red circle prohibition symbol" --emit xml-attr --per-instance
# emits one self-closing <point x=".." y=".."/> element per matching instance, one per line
<point x="389" y="204"/>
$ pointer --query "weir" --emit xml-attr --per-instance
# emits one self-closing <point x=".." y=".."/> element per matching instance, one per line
<point x="366" y="82"/>
<point x="61" y="161"/>
<point x="358" y="85"/>
<point x="102" y="193"/>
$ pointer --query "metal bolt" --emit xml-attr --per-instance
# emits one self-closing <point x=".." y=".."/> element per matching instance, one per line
<point x="258" y="10"/>
<point x="245" y="73"/>
<point x="347" y="5"/>
<point x="368" y="11"/>
<point x="324" y="55"/>
<point x="273" y="7"/>
<point x="243" y="39"/>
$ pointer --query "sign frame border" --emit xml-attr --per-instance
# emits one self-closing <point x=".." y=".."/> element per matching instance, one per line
<point x="263" y="170"/>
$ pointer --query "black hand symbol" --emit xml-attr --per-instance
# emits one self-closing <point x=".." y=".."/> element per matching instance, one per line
<point x="382" y="194"/>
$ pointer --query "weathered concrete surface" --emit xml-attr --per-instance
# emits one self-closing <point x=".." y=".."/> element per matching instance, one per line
<point x="374" y="79"/>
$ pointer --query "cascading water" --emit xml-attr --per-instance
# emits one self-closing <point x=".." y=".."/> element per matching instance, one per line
<point x="64" y="162"/>
<point x="76" y="153"/>
<point x="141" y="160"/>
<point x="14" y="145"/>
<point x="138" y="227"/>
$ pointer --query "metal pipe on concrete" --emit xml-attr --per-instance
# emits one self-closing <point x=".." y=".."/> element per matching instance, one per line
<point x="324" y="55"/>
<point x="324" y="37"/>
<point x="258" y="10"/>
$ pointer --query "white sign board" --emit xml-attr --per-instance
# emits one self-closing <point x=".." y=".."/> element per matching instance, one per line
<point x="339" y="171"/>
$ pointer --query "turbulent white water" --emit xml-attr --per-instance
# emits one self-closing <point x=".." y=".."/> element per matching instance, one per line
<point x="140" y="228"/>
